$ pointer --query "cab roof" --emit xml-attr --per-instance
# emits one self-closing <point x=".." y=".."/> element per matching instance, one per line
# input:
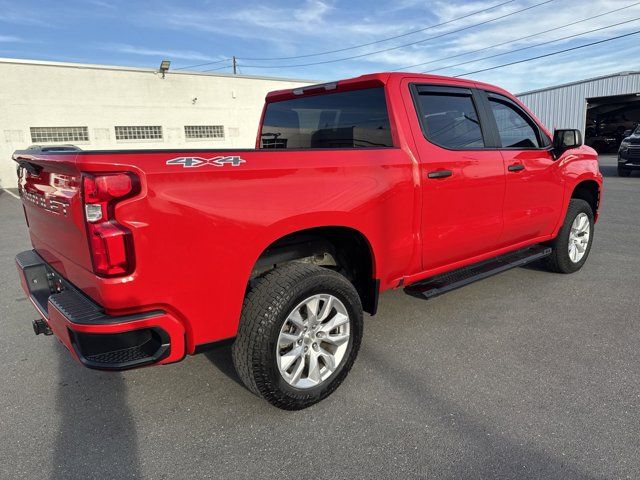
<point x="373" y="79"/>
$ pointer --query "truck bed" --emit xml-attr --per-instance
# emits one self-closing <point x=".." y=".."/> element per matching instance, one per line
<point x="206" y="215"/>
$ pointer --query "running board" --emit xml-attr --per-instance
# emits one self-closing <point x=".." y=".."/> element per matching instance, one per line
<point x="445" y="282"/>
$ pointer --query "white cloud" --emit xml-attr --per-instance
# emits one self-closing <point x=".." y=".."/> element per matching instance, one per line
<point x="11" y="39"/>
<point x="251" y="21"/>
<point x="529" y="23"/>
<point x="558" y="69"/>
<point x="314" y="10"/>
<point x="16" y="16"/>
<point x="439" y="52"/>
<point x="101" y="4"/>
<point x="153" y="52"/>
<point x="53" y="15"/>
<point x="447" y="11"/>
<point x="212" y="30"/>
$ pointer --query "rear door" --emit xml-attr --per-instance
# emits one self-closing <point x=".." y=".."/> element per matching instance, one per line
<point x="534" y="185"/>
<point x="463" y="179"/>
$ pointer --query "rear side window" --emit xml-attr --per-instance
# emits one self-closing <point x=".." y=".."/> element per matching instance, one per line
<point x="514" y="128"/>
<point x="449" y="119"/>
<point x="352" y="119"/>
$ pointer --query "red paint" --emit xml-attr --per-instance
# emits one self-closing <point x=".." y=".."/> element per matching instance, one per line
<point x="197" y="232"/>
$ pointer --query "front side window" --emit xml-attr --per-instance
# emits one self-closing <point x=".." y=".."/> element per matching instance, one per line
<point x="351" y="119"/>
<point x="450" y="120"/>
<point x="515" y="130"/>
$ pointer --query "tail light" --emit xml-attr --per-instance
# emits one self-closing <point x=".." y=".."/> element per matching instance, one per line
<point x="110" y="243"/>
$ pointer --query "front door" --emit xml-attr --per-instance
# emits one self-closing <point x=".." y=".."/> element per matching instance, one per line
<point x="534" y="189"/>
<point x="463" y="180"/>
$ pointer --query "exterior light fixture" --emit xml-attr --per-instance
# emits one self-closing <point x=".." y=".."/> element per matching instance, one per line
<point x="164" y="67"/>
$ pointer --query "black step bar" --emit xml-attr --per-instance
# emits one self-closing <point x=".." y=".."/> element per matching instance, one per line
<point x="434" y="286"/>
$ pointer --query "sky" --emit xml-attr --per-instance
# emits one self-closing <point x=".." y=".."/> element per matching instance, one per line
<point x="451" y="37"/>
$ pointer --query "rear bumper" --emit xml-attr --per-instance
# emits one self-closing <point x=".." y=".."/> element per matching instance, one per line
<point x="98" y="340"/>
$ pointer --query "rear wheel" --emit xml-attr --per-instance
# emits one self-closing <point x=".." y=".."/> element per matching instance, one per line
<point x="299" y="335"/>
<point x="572" y="245"/>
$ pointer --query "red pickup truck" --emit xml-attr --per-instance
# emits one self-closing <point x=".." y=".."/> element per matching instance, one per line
<point x="383" y="181"/>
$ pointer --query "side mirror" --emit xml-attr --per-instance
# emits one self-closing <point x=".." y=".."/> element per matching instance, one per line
<point x="627" y="133"/>
<point x="566" y="139"/>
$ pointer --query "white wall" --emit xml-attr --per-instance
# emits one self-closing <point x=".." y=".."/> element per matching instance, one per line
<point x="51" y="94"/>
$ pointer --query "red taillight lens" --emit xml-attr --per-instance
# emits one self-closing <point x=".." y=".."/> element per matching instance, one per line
<point x="110" y="249"/>
<point x="103" y="188"/>
<point x="110" y="243"/>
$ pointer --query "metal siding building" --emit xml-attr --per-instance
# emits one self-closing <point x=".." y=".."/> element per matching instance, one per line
<point x="565" y="106"/>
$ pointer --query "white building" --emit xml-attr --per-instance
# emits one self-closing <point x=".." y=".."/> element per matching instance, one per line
<point x="106" y="107"/>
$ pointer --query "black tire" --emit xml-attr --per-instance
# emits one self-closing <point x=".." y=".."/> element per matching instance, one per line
<point x="265" y="310"/>
<point x="559" y="260"/>
<point x="623" y="172"/>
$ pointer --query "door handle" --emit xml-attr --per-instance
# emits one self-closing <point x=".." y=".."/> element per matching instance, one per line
<point x="440" y="174"/>
<point x="516" y="167"/>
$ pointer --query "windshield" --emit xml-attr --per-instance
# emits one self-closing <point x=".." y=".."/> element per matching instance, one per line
<point x="351" y="119"/>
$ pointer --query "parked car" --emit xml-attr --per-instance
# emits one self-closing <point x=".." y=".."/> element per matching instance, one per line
<point x="613" y="123"/>
<point x="629" y="154"/>
<point x="603" y="144"/>
<point x="389" y="180"/>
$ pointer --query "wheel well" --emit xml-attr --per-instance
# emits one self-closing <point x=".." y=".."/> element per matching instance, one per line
<point x="340" y="248"/>
<point x="588" y="191"/>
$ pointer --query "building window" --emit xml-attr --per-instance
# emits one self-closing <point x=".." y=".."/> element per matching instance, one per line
<point x="203" y="131"/>
<point x="153" y="132"/>
<point x="13" y="136"/>
<point x="59" y="134"/>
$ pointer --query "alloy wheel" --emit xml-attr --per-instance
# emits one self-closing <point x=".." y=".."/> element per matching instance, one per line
<point x="313" y="341"/>
<point x="579" y="237"/>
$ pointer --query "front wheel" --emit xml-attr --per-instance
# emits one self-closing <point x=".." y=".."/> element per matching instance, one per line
<point x="623" y="172"/>
<point x="571" y="247"/>
<point x="299" y="334"/>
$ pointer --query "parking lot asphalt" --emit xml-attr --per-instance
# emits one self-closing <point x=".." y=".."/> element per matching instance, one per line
<point x="527" y="374"/>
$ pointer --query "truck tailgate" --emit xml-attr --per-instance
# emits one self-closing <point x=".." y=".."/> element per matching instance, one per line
<point x="50" y="189"/>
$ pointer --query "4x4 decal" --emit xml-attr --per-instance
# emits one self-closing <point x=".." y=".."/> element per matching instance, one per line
<point x="192" y="162"/>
